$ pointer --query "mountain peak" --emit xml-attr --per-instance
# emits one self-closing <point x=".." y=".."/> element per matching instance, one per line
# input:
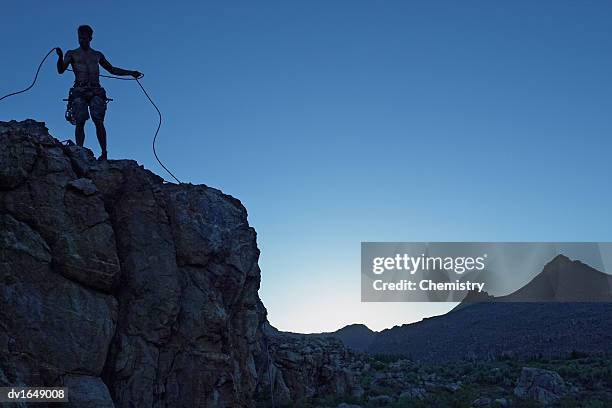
<point x="563" y="279"/>
<point x="559" y="261"/>
<point x="356" y="327"/>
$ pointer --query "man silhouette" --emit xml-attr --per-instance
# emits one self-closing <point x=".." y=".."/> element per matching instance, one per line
<point x="86" y="95"/>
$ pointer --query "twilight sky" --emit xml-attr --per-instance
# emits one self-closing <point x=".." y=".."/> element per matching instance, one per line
<point x="336" y="122"/>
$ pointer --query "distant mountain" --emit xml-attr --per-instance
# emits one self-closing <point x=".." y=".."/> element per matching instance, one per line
<point x="561" y="280"/>
<point x="562" y="309"/>
<point x="355" y="336"/>
<point x="564" y="280"/>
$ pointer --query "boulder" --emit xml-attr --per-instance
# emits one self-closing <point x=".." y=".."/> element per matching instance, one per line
<point x="541" y="385"/>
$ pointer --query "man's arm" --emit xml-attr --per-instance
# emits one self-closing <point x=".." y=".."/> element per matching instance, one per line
<point x="62" y="62"/>
<point x="115" y="70"/>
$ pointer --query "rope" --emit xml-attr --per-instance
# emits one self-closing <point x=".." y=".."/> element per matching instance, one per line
<point x="111" y="77"/>
<point x="35" y="77"/>
<point x="157" y="130"/>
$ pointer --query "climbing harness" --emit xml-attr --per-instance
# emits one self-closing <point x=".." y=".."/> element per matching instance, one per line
<point x="88" y="93"/>
<point x="70" y="112"/>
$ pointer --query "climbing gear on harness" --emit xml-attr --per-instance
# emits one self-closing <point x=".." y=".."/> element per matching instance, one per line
<point x="70" y="113"/>
<point x="86" y="84"/>
<point x="83" y="99"/>
<point x="112" y="77"/>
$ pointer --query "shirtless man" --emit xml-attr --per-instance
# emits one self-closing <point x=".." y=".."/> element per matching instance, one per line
<point x="86" y="95"/>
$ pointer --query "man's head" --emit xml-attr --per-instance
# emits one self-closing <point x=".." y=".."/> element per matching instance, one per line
<point x="85" y="35"/>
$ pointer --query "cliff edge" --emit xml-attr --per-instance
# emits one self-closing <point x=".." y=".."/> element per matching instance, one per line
<point x="129" y="290"/>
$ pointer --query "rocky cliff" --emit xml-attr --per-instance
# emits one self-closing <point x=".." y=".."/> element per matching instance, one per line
<point x="132" y="291"/>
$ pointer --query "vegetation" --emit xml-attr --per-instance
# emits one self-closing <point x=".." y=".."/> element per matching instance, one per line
<point x="588" y="379"/>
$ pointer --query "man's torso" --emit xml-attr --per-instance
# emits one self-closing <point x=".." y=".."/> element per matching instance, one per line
<point x="85" y="64"/>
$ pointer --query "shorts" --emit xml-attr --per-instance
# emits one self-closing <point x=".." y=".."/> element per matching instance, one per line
<point x="84" y="100"/>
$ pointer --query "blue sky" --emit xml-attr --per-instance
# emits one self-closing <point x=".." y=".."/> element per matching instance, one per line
<point x="337" y="122"/>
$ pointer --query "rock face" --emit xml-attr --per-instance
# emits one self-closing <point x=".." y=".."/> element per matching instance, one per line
<point x="541" y="385"/>
<point x="306" y="367"/>
<point x="58" y="264"/>
<point x="132" y="291"/>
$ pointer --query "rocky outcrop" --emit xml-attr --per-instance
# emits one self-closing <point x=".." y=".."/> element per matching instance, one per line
<point x="305" y="367"/>
<point x="543" y="386"/>
<point x="130" y="290"/>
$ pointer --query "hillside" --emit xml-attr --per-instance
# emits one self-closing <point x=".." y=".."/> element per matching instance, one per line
<point x="567" y="307"/>
<point x="489" y="330"/>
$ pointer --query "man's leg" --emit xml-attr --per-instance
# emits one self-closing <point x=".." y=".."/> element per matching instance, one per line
<point x="98" y="110"/>
<point x="79" y="133"/>
<point x="101" y="133"/>
<point x="81" y="114"/>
